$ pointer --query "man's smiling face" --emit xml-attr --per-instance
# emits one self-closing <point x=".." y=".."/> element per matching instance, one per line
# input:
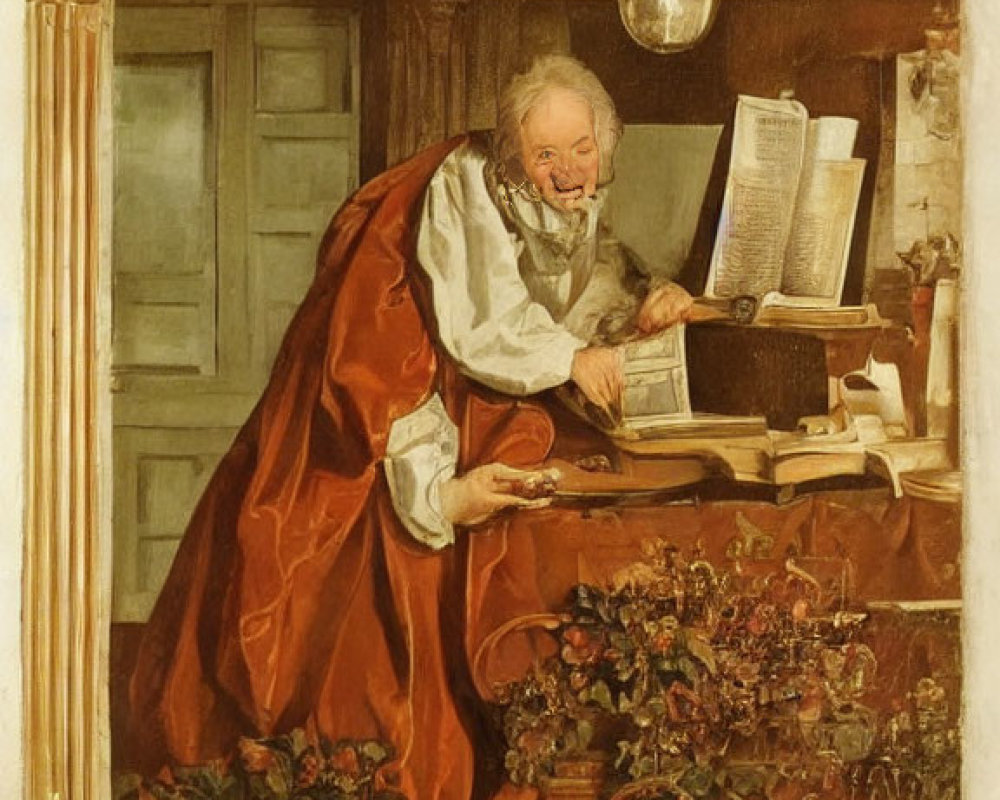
<point x="559" y="149"/>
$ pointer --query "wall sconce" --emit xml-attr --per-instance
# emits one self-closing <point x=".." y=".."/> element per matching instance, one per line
<point x="668" y="26"/>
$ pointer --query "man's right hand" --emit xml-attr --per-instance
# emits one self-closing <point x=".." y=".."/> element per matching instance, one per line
<point x="598" y="373"/>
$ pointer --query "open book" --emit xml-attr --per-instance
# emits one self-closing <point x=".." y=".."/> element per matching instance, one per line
<point x="655" y="401"/>
<point x="790" y="202"/>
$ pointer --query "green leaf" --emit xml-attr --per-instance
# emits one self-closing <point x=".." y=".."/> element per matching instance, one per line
<point x="624" y="752"/>
<point x="374" y="751"/>
<point x="125" y="785"/>
<point x="697" y="782"/>
<point x="747" y="780"/>
<point x="601" y="694"/>
<point x="261" y="789"/>
<point x="657" y="705"/>
<point x="277" y="781"/>
<point x="642" y="767"/>
<point x="700" y="649"/>
<point x="297" y="739"/>
<point x="688" y="669"/>
<point x="231" y="791"/>
<point x="643" y="717"/>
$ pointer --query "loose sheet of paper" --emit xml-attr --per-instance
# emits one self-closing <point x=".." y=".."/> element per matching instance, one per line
<point x="819" y="244"/>
<point x="769" y="140"/>
<point x="820" y="240"/>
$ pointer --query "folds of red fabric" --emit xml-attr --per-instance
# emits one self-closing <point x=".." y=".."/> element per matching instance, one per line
<point x="297" y="598"/>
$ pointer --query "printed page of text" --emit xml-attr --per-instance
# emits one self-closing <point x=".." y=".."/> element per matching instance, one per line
<point x="769" y="140"/>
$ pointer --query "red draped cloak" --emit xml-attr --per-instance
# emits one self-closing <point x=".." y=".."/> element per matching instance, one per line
<point x="297" y="598"/>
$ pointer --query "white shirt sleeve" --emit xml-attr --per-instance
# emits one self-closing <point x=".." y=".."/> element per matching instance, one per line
<point x="421" y="453"/>
<point x="486" y="318"/>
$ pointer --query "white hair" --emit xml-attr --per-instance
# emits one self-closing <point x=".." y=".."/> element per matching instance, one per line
<point x="526" y="89"/>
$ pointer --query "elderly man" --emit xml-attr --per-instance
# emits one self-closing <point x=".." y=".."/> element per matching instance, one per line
<point x="321" y="585"/>
<point x="522" y="278"/>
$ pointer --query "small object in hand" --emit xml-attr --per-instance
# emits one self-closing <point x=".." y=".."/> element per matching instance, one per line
<point x="536" y="486"/>
<point x="743" y="309"/>
<point x="594" y="463"/>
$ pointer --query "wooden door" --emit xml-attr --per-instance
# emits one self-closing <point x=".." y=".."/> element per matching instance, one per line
<point x="236" y="138"/>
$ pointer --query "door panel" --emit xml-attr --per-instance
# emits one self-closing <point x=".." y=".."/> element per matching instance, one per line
<point x="236" y="140"/>
<point x="161" y="473"/>
<point x="164" y="138"/>
<point x="305" y="143"/>
<point x="164" y="232"/>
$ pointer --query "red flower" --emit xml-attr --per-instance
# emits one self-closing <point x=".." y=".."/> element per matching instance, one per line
<point x="532" y="742"/>
<point x="308" y="770"/>
<point x="576" y="636"/>
<point x="580" y="647"/>
<point x="762" y="620"/>
<point x="345" y="760"/>
<point x="255" y="756"/>
<point x="578" y="680"/>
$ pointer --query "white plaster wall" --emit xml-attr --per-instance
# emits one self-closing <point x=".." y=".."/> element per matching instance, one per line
<point x="12" y="91"/>
<point x="927" y="169"/>
<point x="982" y="407"/>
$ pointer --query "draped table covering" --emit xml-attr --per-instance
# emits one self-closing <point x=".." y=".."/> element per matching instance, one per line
<point x="894" y="550"/>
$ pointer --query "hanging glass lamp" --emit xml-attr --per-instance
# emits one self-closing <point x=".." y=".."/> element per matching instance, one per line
<point x="668" y="26"/>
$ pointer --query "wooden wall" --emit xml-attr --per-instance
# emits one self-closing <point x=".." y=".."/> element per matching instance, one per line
<point x="446" y="59"/>
<point x="837" y="56"/>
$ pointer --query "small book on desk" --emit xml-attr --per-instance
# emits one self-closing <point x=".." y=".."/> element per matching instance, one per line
<point x="779" y="315"/>
<point x="655" y="401"/>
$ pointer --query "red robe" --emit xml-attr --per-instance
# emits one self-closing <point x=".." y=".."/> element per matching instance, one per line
<point x="297" y="598"/>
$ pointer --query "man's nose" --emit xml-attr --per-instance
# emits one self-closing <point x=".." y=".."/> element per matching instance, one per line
<point x="562" y="172"/>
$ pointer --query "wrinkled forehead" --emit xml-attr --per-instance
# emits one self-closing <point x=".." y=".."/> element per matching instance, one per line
<point x="557" y="116"/>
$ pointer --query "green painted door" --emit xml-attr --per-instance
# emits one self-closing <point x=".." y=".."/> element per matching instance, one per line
<point x="236" y="138"/>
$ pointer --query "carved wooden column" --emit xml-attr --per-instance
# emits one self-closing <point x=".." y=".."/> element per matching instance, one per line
<point x="427" y="74"/>
<point x="66" y="576"/>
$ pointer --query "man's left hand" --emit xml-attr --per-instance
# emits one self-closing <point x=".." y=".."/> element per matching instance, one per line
<point x="486" y="490"/>
<point x="664" y="306"/>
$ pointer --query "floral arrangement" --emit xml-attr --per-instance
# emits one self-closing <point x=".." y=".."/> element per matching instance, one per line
<point x="699" y="683"/>
<point x="288" y="767"/>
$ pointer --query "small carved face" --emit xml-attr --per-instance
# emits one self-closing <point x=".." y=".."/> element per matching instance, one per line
<point x="559" y="149"/>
